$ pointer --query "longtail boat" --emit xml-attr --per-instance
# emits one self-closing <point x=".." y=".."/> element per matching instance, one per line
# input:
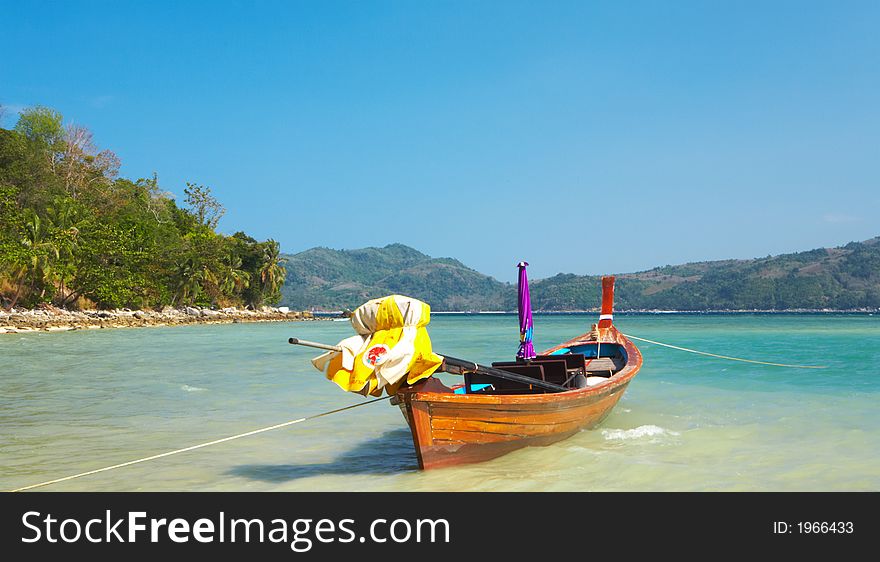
<point x="575" y="386"/>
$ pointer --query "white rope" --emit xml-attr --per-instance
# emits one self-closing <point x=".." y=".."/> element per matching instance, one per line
<point x="199" y="446"/>
<point x="725" y="356"/>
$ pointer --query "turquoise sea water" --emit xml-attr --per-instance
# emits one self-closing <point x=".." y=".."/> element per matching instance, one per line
<point x="77" y="401"/>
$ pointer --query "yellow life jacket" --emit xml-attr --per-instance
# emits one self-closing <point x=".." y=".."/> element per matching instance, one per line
<point x="392" y="347"/>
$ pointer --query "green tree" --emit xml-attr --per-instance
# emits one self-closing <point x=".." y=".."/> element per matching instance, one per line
<point x="271" y="272"/>
<point x="64" y="216"/>
<point x="204" y="206"/>
<point x="234" y="278"/>
<point x="198" y="269"/>
<point x="111" y="265"/>
<point x="33" y="266"/>
<point x="43" y="127"/>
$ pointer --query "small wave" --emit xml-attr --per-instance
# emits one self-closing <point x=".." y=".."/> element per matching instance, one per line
<point x="189" y="388"/>
<point x="636" y="433"/>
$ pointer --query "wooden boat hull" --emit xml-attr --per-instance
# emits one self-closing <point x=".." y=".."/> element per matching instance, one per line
<point x="451" y="429"/>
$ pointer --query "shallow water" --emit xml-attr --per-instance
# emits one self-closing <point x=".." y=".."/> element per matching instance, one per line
<point x="77" y="401"/>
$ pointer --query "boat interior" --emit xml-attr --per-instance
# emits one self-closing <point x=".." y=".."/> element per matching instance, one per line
<point x="579" y="366"/>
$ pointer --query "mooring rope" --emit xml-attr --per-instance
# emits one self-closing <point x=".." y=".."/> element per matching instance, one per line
<point x="315" y="416"/>
<point x="199" y="446"/>
<point x="726" y="356"/>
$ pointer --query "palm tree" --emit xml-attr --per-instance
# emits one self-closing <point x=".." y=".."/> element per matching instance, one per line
<point x="188" y="275"/>
<point x="64" y="217"/>
<point x="271" y="271"/>
<point x="35" y="262"/>
<point x="15" y="269"/>
<point x="234" y="278"/>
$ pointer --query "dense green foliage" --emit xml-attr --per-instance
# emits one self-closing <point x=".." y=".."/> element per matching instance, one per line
<point x="838" y="278"/>
<point x="74" y="233"/>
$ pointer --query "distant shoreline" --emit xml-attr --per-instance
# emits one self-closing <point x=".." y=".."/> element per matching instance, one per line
<point x="644" y="312"/>
<point x="52" y="319"/>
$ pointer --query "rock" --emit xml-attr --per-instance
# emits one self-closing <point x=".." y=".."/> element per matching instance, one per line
<point x="59" y="320"/>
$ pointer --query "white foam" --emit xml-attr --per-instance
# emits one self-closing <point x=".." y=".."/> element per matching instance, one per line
<point x="636" y="433"/>
<point x="189" y="388"/>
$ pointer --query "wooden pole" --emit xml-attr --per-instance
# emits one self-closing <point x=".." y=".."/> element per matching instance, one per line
<point x="457" y="367"/>
<point x="307" y="343"/>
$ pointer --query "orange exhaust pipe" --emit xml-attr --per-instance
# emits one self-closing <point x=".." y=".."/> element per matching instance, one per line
<point x="606" y="316"/>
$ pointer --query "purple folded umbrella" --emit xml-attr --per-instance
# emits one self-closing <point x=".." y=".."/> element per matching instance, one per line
<point x="526" y="350"/>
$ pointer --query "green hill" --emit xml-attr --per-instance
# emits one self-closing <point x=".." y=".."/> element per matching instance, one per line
<point x="326" y="279"/>
<point x="846" y="277"/>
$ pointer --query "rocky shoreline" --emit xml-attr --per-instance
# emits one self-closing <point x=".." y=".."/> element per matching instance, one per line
<point x="52" y="319"/>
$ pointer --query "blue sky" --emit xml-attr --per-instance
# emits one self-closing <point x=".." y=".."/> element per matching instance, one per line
<point x="583" y="137"/>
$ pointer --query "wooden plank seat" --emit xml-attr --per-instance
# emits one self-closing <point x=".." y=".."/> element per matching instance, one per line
<point x="604" y="366"/>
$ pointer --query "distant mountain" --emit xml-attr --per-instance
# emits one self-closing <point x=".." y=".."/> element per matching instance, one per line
<point x="326" y="279"/>
<point x="846" y="277"/>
